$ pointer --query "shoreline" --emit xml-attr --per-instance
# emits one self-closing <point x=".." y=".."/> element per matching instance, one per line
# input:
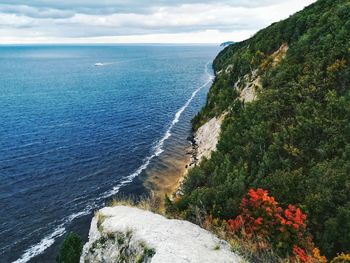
<point x="167" y="182"/>
<point x="164" y="181"/>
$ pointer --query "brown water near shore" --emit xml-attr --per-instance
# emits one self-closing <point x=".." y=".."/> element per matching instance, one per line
<point x="163" y="178"/>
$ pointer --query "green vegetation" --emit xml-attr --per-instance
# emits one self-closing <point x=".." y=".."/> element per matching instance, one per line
<point x="119" y="247"/>
<point x="70" y="249"/>
<point x="100" y="219"/>
<point x="294" y="139"/>
<point x="342" y="258"/>
<point x="147" y="253"/>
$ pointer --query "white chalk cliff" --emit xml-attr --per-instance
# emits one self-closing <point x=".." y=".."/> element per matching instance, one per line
<point x="129" y="234"/>
<point x="207" y="137"/>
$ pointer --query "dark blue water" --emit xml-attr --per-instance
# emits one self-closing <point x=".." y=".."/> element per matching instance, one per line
<point x="73" y="134"/>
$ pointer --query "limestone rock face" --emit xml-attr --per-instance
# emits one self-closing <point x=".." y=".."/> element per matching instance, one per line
<point x="134" y="235"/>
<point x="207" y="137"/>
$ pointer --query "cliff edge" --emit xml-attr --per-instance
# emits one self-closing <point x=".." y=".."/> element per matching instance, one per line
<point x="129" y="234"/>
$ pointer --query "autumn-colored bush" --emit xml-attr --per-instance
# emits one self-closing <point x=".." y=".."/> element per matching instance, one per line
<point x="317" y="255"/>
<point x="300" y="255"/>
<point x="341" y="258"/>
<point x="286" y="229"/>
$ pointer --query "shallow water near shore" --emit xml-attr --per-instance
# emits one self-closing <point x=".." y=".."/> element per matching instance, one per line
<point x="74" y="134"/>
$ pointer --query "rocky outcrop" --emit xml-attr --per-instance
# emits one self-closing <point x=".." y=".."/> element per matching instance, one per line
<point x="250" y="83"/>
<point x="248" y="86"/>
<point x="279" y="54"/>
<point x="205" y="140"/>
<point x="129" y="234"/>
<point x="207" y="137"/>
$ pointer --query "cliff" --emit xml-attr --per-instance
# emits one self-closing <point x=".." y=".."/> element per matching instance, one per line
<point x="205" y="139"/>
<point x="286" y="92"/>
<point x="129" y="234"/>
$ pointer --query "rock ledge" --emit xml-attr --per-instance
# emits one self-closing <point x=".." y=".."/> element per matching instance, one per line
<point x="142" y="236"/>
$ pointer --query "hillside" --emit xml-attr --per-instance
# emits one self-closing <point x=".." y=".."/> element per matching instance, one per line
<point x="287" y="94"/>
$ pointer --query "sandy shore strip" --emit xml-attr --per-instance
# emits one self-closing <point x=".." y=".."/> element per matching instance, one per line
<point x="167" y="181"/>
<point x="164" y="180"/>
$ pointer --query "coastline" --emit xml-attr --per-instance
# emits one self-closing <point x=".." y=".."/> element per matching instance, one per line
<point x="168" y="181"/>
<point x="165" y="181"/>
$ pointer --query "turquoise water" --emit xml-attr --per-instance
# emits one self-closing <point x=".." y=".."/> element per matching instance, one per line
<point x="74" y="133"/>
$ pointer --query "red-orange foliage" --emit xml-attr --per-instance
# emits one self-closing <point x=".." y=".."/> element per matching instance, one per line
<point x="259" y="212"/>
<point x="300" y="254"/>
<point x="262" y="216"/>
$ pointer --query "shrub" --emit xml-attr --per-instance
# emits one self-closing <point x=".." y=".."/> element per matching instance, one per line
<point x="300" y="255"/>
<point x="262" y="217"/>
<point x="341" y="258"/>
<point x="70" y="249"/>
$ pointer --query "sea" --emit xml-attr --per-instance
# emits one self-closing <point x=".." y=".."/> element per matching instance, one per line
<point x="81" y="124"/>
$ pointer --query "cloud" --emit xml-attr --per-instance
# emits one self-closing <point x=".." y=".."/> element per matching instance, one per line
<point x="13" y="21"/>
<point x="35" y="12"/>
<point x="125" y="6"/>
<point x="121" y="19"/>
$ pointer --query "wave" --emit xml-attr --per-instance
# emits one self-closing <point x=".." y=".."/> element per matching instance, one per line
<point x="60" y="230"/>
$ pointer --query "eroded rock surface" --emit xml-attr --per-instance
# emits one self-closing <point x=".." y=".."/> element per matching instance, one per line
<point x="137" y="235"/>
<point x="207" y="136"/>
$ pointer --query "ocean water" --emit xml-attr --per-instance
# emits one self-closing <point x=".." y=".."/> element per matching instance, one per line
<point x="73" y="134"/>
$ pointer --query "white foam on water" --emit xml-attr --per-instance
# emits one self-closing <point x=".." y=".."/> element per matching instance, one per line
<point x="60" y="230"/>
<point x="40" y="247"/>
<point x="158" y="148"/>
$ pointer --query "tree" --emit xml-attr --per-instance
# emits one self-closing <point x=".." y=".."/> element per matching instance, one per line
<point x="70" y="249"/>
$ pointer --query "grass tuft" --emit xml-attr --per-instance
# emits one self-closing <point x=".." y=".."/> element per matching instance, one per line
<point x="151" y="202"/>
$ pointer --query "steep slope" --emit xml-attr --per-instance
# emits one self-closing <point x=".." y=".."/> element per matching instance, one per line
<point x="287" y="93"/>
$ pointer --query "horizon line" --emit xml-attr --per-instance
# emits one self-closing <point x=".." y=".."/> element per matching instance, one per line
<point x="108" y="43"/>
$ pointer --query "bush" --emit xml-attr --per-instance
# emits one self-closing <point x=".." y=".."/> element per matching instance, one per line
<point x="70" y="249"/>
<point x="262" y="217"/>
<point x="341" y="258"/>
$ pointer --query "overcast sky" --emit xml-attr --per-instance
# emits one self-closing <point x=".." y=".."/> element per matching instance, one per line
<point x="138" y="21"/>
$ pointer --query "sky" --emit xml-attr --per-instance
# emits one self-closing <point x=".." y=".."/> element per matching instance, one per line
<point x="139" y="21"/>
